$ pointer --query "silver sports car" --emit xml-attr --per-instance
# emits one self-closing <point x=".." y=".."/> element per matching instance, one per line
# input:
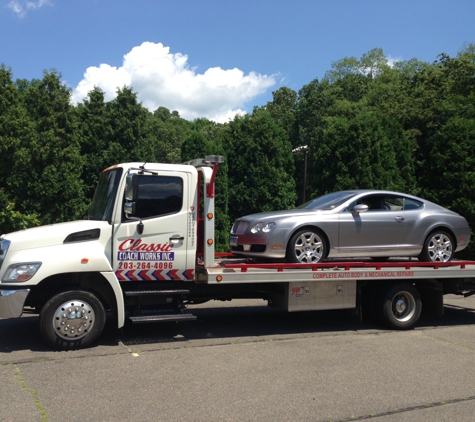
<point x="356" y="223"/>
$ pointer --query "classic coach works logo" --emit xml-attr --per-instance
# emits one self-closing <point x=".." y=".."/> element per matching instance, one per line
<point x="137" y="250"/>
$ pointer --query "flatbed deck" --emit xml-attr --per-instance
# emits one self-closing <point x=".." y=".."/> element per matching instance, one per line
<point x="229" y="270"/>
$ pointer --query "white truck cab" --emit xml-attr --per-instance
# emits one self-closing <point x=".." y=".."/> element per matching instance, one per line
<point x="141" y="227"/>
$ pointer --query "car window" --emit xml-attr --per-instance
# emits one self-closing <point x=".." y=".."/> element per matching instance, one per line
<point x="380" y="202"/>
<point x="412" y="204"/>
<point x="329" y="201"/>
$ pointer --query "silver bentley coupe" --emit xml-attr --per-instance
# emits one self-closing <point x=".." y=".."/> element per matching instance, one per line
<point x="354" y="223"/>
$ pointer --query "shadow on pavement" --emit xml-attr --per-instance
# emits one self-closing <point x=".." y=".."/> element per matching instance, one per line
<point x="222" y="323"/>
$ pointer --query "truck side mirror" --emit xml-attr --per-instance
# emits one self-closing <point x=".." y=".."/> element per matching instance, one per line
<point x="131" y="196"/>
<point x="129" y="208"/>
<point x="132" y="187"/>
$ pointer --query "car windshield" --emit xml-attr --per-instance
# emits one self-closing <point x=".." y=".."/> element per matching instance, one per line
<point x="329" y="201"/>
<point x="104" y="197"/>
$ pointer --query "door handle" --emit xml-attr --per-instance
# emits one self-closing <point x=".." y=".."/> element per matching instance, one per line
<point x="399" y="219"/>
<point x="176" y="239"/>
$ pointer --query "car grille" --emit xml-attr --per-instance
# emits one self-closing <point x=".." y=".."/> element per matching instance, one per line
<point x="239" y="227"/>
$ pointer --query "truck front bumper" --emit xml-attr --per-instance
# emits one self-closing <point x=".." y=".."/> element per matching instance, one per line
<point x="12" y="302"/>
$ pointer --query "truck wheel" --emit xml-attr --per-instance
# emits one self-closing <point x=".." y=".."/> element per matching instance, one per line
<point x="401" y="306"/>
<point x="306" y="247"/>
<point x="72" y="319"/>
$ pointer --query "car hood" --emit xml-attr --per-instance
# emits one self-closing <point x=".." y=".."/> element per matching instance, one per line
<point x="50" y="235"/>
<point x="272" y="215"/>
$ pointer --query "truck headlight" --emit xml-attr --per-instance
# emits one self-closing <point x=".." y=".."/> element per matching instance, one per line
<point x="21" y="272"/>
<point x="261" y="227"/>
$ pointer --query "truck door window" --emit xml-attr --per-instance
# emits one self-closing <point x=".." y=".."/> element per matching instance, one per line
<point x="159" y="195"/>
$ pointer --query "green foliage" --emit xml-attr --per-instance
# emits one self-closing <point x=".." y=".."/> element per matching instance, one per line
<point x="260" y="165"/>
<point x="47" y="164"/>
<point x="13" y="220"/>
<point x="195" y="146"/>
<point x="368" y="151"/>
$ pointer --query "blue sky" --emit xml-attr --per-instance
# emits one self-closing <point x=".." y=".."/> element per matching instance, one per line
<point x="215" y="58"/>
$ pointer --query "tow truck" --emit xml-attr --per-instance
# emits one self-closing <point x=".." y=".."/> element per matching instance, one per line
<point x="147" y="250"/>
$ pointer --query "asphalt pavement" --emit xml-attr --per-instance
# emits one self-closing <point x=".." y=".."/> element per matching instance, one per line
<point x="244" y="361"/>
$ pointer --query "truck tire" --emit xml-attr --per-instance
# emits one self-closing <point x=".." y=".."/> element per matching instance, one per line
<point x="400" y="306"/>
<point x="72" y="320"/>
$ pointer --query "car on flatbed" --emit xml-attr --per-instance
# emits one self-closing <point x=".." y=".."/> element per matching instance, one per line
<point x="353" y="223"/>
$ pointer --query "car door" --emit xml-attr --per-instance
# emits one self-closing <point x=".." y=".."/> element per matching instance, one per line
<point x="161" y="251"/>
<point x="376" y="232"/>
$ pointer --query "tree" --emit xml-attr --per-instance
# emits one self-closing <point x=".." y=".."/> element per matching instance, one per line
<point x="13" y="220"/>
<point x="260" y="165"/>
<point x="127" y="120"/>
<point x="95" y="131"/>
<point x="13" y="123"/>
<point x="283" y="109"/>
<point x="47" y="165"/>
<point x="368" y="151"/>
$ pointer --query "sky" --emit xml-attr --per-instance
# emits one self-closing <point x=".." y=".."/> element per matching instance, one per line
<point x="217" y="58"/>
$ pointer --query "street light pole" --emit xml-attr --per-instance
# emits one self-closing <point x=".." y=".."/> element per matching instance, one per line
<point x="304" y="149"/>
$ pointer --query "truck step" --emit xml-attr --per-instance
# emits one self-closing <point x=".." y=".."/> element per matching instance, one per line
<point x="162" y="318"/>
<point x="156" y="292"/>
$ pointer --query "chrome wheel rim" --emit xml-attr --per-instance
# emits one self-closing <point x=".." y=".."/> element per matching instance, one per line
<point x="403" y="306"/>
<point x="308" y="248"/>
<point x="440" y="248"/>
<point x="73" y="319"/>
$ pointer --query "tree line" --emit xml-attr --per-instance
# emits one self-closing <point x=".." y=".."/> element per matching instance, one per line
<point x="408" y="127"/>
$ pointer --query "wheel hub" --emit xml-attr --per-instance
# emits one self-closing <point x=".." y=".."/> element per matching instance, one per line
<point x="440" y="248"/>
<point x="308" y="248"/>
<point x="403" y="306"/>
<point x="73" y="319"/>
<point x="400" y="306"/>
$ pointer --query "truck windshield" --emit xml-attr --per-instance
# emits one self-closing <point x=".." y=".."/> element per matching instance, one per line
<point x="104" y="197"/>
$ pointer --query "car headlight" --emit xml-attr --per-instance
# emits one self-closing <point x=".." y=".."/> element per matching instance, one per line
<point x="261" y="227"/>
<point x="21" y="272"/>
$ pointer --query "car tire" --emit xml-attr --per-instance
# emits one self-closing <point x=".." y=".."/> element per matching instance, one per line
<point x="400" y="306"/>
<point x="438" y="247"/>
<point x="72" y="320"/>
<point x="307" y="246"/>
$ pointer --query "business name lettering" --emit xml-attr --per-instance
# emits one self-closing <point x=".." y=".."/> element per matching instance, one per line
<point x="137" y="245"/>
<point x="363" y="274"/>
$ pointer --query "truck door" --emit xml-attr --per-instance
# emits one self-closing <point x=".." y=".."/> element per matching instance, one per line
<point x="165" y="248"/>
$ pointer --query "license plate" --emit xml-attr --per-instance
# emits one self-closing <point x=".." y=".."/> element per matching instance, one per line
<point x="233" y="241"/>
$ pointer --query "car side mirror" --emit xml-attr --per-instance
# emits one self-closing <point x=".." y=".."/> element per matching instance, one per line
<point x="360" y="208"/>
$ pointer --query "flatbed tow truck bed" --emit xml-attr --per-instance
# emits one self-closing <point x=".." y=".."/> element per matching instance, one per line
<point x="229" y="270"/>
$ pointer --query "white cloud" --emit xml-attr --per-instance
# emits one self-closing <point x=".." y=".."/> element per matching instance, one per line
<point x="392" y="60"/>
<point x="21" y="7"/>
<point x="161" y="78"/>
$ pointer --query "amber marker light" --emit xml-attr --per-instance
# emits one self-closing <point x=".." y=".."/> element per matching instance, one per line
<point x="219" y="278"/>
<point x="209" y="241"/>
<point x="277" y="246"/>
<point x="84" y="260"/>
<point x="209" y="215"/>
